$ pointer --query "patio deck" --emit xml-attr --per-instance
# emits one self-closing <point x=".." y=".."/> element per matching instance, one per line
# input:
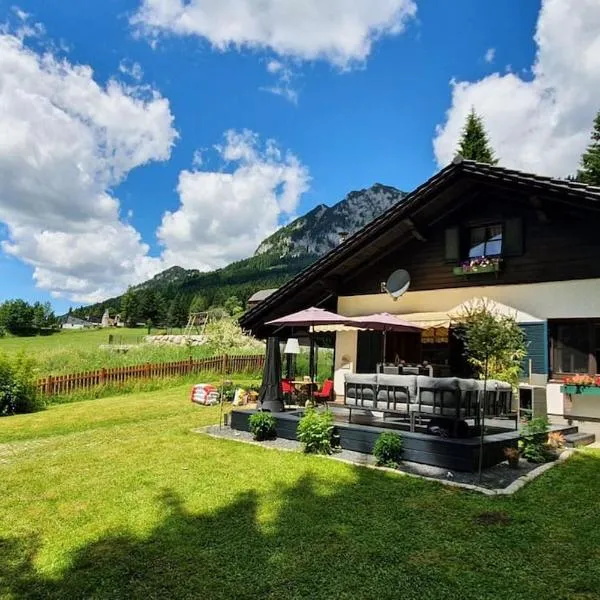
<point x="451" y="453"/>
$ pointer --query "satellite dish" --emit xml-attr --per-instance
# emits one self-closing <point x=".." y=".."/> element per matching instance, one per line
<point x="396" y="284"/>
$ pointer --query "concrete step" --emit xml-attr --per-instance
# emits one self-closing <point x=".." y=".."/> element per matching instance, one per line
<point x="575" y="440"/>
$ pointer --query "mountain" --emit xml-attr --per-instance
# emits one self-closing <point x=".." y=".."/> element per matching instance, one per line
<point x="323" y="227"/>
<point x="278" y="258"/>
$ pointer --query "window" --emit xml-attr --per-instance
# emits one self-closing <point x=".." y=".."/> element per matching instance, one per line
<point x="485" y="241"/>
<point x="575" y="346"/>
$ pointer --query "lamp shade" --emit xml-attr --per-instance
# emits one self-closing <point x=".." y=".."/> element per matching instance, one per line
<point x="292" y="346"/>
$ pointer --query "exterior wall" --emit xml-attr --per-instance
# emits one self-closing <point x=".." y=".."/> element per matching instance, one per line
<point x="71" y="326"/>
<point x="561" y="299"/>
<point x="345" y="358"/>
<point x="562" y="246"/>
<point x="584" y="413"/>
<point x="552" y="300"/>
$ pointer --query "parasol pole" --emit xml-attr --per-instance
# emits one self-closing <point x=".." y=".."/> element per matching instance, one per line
<point x="311" y="358"/>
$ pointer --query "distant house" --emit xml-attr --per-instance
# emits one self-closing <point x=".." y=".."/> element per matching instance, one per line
<point x="75" y="323"/>
<point x="259" y="296"/>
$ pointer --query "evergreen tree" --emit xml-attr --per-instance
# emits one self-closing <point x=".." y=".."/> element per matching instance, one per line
<point x="130" y="308"/>
<point x="474" y="143"/>
<point x="177" y="315"/>
<point x="590" y="161"/>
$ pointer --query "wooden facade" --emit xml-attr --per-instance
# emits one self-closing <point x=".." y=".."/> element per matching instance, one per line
<point x="563" y="244"/>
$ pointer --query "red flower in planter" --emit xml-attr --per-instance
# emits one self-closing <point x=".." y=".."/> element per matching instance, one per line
<point x="583" y="380"/>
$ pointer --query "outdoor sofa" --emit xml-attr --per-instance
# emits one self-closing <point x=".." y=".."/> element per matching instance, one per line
<point x="418" y="396"/>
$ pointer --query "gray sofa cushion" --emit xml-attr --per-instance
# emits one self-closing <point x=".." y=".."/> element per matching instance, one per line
<point x="392" y="392"/>
<point x="440" y="395"/>
<point x="360" y="386"/>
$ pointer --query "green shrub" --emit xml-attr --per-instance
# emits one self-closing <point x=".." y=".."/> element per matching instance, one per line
<point x="388" y="449"/>
<point x="314" y="431"/>
<point x="262" y="426"/>
<point x="18" y="393"/>
<point x="534" y="440"/>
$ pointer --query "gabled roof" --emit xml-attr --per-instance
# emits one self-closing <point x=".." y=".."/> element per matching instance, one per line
<point x="459" y="169"/>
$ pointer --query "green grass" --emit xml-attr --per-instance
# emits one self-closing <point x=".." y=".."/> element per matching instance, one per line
<point x="117" y="498"/>
<point x="73" y="351"/>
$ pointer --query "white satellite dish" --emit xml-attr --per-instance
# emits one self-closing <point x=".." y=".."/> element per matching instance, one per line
<point x="396" y="284"/>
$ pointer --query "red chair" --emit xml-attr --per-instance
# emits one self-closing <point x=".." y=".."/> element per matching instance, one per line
<point x="326" y="392"/>
<point x="288" y="389"/>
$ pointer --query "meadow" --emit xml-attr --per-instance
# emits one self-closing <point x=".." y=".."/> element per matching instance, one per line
<point x="72" y="351"/>
<point x="121" y="498"/>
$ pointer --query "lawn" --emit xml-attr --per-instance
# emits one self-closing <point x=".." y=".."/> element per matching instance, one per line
<point x="117" y="498"/>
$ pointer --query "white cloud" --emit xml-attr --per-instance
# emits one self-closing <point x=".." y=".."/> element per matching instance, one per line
<point x="284" y="81"/>
<point x="542" y="124"/>
<point x="224" y="216"/>
<point x="490" y="55"/>
<point x="66" y="141"/>
<point x="339" y="31"/>
<point x="132" y="69"/>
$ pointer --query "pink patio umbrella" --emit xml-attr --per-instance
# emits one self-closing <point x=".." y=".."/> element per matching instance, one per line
<point x="309" y="318"/>
<point x="384" y="322"/>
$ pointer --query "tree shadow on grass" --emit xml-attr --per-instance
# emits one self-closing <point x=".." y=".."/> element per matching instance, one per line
<point x="371" y="536"/>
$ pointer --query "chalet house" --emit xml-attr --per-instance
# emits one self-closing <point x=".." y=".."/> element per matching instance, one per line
<point x="535" y="245"/>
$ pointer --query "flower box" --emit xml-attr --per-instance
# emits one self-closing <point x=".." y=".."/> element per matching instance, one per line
<point x="478" y="267"/>
<point x="581" y="390"/>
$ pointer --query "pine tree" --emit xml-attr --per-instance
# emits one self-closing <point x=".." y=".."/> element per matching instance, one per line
<point x="474" y="143"/>
<point x="590" y="161"/>
<point x="130" y="308"/>
<point x="177" y="314"/>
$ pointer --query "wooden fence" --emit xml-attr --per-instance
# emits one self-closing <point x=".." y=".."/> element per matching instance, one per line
<point x="55" y="385"/>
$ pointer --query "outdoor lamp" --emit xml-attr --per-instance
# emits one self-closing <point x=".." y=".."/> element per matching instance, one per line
<point x="292" y="346"/>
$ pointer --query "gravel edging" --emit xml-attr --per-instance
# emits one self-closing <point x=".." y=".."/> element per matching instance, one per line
<point x="368" y="461"/>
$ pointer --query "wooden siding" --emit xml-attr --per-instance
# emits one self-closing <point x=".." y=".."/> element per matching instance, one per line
<point x="559" y="244"/>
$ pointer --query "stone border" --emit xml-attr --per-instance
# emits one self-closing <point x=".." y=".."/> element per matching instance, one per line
<point x="509" y="490"/>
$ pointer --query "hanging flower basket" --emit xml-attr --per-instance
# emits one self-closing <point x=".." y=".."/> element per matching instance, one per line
<point x="478" y="266"/>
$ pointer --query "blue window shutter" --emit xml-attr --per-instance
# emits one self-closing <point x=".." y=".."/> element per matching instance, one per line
<point x="536" y="336"/>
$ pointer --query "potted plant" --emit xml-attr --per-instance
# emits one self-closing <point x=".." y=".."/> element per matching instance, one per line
<point x="512" y="456"/>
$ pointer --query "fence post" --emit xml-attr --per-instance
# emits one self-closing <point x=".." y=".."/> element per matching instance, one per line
<point x="102" y="375"/>
<point x="147" y="370"/>
<point x="191" y="365"/>
<point x="49" y="385"/>
<point x="224" y="364"/>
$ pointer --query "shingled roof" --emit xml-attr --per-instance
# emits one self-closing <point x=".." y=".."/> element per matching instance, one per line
<point x="459" y="169"/>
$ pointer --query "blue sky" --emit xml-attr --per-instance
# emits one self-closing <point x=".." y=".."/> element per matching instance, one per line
<point x="369" y="120"/>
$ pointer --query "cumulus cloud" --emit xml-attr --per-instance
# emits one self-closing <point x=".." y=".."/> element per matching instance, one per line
<point x="540" y="124"/>
<point x="224" y="215"/>
<point x="490" y="55"/>
<point x="339" y="31"/>
<point x="66" y="142"/>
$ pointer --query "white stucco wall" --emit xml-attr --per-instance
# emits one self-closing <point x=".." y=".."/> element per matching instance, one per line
<point x="553" y="300"/>
<point x="345" y="358"/>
